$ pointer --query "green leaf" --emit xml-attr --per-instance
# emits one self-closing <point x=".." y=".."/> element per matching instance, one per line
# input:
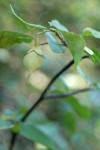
<point x="11" y="115"/>
<point x="3" y="147"/>
<point x="54" y="45"/>
<point x="91" y="32"/>
<point x="38" y="117"/>
<point x="96" y="56"/>
<point x="8" y="38"/>
<point x="69" y="120"/>
<point x="25" y="24"/>
<point x="62" y="86"/>
<point x="53" y="129"/>
<point x="82" y="111"/>
<point x="44" y="134"/>
<point x="88" y="50"/>
<point x="76" y="45"/>
<point x="82" y="73"/>
<point x="58" y="25"/>
<point x="5" y="124"/>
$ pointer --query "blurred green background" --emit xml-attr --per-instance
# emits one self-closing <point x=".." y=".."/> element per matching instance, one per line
<point x="81" y="128"/>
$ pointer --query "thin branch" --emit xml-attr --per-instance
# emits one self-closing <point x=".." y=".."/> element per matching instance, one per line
<point x="13" y="139"/>
<point x="57" y="96"/>
<point x="45" y="43"/>
<point x="59" y="36"/>
<point x="47" y="88"/>
<point x="41" y="98"/>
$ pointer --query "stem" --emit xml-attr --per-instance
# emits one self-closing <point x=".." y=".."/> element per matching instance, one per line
<point x="46" y="89"/>
<point x="13" y="139"/>
<point x="46" y="43"/>
<point x="57" y="96"/>
<point x="59" y="36"/>
<point x="41" y="98"/>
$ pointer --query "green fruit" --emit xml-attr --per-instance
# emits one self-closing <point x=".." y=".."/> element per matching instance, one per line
<point x="33" y="60"/>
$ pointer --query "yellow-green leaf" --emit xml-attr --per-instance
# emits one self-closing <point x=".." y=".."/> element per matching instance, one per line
<point x="8" y="38"/>
<point x="76" y="45"/>
<point x="27" y="25"/>
<point x="91" y="32"/>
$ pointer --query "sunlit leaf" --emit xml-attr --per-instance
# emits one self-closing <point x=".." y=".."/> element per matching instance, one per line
<point x="44" y="134"/>
<point x="89" y="51"/>
<point x="54" y="45"/>
<point x="62" y="86"/>
<point x="76" y="45"/>
<point x="8" y="38"/>
<point x="96" y="56"/>
<point x="91" y="32"/>
<point x="58" y="25"/>
<point x="27" y="25"/>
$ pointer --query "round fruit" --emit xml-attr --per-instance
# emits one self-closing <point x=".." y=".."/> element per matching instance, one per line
<point x="33" y="60"/>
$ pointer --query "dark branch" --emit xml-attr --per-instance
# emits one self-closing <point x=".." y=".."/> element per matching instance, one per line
<point x="45" y="43"/>
<point x="41" y="98"/>
<point x="59" y="36"/>
<point x="13" y="139"/>
<point x="47" y="88"/>
<point x="57" y="96"/>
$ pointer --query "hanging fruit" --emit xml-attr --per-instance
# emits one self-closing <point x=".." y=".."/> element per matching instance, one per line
<point x="34" y="59"/>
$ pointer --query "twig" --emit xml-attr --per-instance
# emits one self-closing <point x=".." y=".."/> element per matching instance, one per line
<point x="46" y="89"/>
<point x="59" y="36"/>
<point x="41" y="98"/>
<point x="45" y="43"/>
<point x="57" y="96"/>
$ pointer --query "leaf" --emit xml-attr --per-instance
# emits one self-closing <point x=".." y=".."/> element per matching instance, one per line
<point x="5" y="124"/>
<point x="58" y="25"/>
<point x="11" y="115"/>
<point x="38" y="117"/>
<point x="76" y="45"/>
<point x="54" y="45"/>
<point x="62" y="87"/>
<point x="8" y="38"/>
<point x="44" y="134"/>
<point x="96" y="56"/>
<point x="3" y="147"/>
<point x="53" y="129"/>
<point x="69" y="120"/>
<point x="91" y="32"/>
<point x="82" y="111"/>
<point x="82" y="73"/>
<point x="27" y="25"/>
<point x="89" y="51"/>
